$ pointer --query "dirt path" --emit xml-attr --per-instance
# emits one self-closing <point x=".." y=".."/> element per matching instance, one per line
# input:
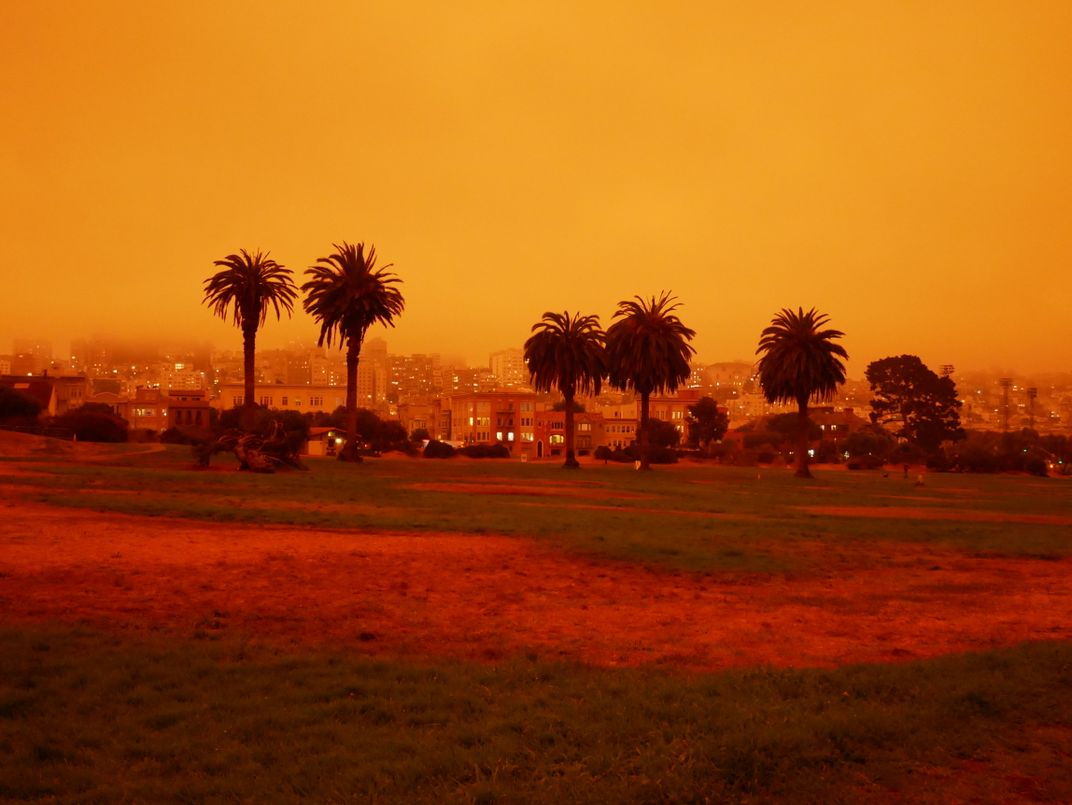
<point x="483" y="598"/>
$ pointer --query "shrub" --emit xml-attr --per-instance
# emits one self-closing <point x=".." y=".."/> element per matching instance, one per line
<point x="497" y="450"/>
<point x="93" y="423"/>
<point x="438" y="449"/>
<point x="18" y="408"/>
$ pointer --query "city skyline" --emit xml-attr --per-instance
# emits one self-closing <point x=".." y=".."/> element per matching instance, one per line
<point x="903" y="169"/>
<point x="163" y="349"/>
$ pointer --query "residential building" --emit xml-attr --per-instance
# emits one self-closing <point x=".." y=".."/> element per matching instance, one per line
<point x="148" y="410"/>
<point x="490" y="417"/>
<point x="285" y="398"/>
<point x="188" y="408"/>
<point x="589" y="432"/>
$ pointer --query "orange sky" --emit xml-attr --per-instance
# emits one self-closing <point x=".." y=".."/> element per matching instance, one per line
<point x="904" y="167"/>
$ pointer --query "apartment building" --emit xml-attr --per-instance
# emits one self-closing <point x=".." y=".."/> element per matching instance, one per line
<point x="490" y="417"/>
<point x="303" y="398"/>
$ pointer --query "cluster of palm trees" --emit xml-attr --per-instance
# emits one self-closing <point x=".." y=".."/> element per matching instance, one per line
<point x="346" y="293"/>
<point x="646" y="349"/>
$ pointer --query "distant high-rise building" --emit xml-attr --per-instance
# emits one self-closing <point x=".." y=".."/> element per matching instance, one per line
<point x="415" y="378"/>
<point x="90" y="355"/>
<point x="472" y="381"/>
<point x="373" y="375"/>
<point x="509" y="367"/>
<point x="31" y="356"/>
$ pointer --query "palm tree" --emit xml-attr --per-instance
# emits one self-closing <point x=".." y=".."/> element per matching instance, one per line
<point x="347" y="294"/>
<point x="648" y="350"/>
<point x="800" y="362"/>
<point x="567" y="352"/>
<point x="247" y="286"/>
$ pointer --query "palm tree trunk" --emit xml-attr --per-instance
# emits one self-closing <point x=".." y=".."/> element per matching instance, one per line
<point x="803" y="425"/>
<point x="645" y="458"/>
<point x="349" y="450"/>
<point x="246" y="418"/>
<point x="571" y="459"/>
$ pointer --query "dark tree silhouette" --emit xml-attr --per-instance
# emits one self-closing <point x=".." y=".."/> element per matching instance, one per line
<point x="706" y="423"/>
<point x="18" y="407"/>
<point x="246" y="287"/>
<point x="909" y="394"/>
<point x="648" y="351"/>
<point x="567" y="352"/>
<point x="347" y="294"/>
<point x="800" y="362"/>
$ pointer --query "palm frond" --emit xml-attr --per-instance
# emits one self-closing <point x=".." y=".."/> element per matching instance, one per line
<point x="799" y="360"/>
<point x="648" y="346"/>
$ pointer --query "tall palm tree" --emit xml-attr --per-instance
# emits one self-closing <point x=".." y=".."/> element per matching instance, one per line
<point x="248" y="285"/>
<point x="567" y="352"/>
<point x="347" y="294"/>
<point x="648" y="350"/>
<point x="800" y="363"/>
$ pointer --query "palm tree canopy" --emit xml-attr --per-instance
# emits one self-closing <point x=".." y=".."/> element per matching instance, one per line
<point x="248" y="285"/>
<point x="566" y="352"/>
<point x="347" y="294"/>
<point x="800" y="359"/>
<point x="648" y="346"/>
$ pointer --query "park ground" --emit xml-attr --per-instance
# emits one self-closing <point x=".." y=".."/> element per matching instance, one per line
<point x="859" y="637"/>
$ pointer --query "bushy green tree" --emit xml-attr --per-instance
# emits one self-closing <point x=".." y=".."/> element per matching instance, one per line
<point x="16" y="407"/>
<point x="922" y="407"/>
<point x="870" y="440"/>
<point x="662" y="434"/>
<point x="706" y="423"/>
<point x="92" y="422"/>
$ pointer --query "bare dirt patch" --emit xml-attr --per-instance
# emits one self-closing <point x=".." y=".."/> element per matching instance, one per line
<point x="483" y="598"/>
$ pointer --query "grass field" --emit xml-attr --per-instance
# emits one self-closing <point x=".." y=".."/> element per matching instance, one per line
<point x="716" y="515"/>
<point x="96" y="708"/>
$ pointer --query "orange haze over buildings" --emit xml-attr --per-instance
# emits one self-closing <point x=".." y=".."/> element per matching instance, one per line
<point x="904" y="167"/>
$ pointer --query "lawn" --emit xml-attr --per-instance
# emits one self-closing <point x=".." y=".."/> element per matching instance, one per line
<point x="697" y="517"/>
<point x="490" y="631"/>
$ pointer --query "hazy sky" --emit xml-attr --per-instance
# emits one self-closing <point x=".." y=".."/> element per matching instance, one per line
<point x="904" y="167"/>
